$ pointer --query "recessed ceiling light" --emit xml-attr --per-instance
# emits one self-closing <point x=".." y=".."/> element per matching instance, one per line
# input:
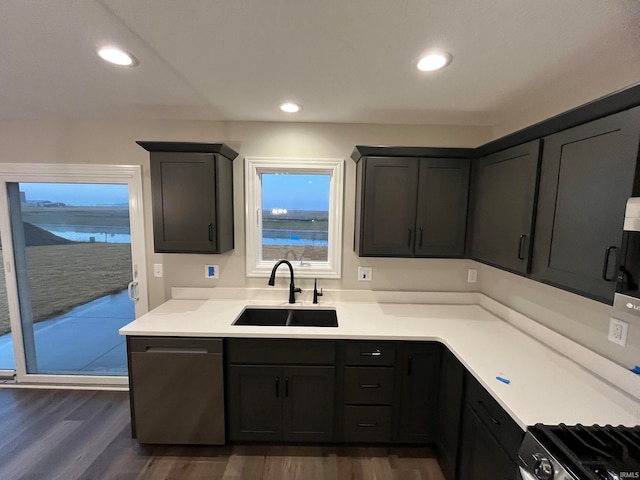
<point x="434" y="61"/>
<point x="290" y="107"/>
<point x="117" y="56"/>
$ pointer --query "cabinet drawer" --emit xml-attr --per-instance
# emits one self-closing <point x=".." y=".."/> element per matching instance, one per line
<point x="494" y="417"/>
<point x="367" y="424"/>
<point x="368" y="385"/>
<point x="370" y="353"/>
<point x="261" y="351"/>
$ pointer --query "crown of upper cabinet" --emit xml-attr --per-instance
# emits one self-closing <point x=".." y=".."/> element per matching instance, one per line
<point x="190" y="147"/>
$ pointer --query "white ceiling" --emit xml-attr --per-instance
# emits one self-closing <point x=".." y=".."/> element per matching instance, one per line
<point x="343" y="60"/>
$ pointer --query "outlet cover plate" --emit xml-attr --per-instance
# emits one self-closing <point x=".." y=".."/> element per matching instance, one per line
<point x="365" y="274"/>
<point x="472" y="275"/>
<point x="211" y="271"/>
<point x="618" y="331"/>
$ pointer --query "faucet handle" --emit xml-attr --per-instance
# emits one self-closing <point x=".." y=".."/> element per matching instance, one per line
<point x="316" y="294"/>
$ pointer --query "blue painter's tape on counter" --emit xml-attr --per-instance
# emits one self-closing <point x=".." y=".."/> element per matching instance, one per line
<point x="503" y="380"/>
<point x="636" y="370"/>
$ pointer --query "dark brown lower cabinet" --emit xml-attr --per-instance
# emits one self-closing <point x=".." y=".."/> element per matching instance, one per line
<point x="281" y="403"/>
<point x="481" y="455"/>
<point x="418" y="403"/>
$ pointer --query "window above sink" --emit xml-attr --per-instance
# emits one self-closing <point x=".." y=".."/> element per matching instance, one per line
<point x="294" y="212"/>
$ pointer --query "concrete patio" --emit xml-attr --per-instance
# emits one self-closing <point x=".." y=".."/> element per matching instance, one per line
<point x="83" y="341"/>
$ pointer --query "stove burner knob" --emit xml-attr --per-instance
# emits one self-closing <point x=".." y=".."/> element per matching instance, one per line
<point x="542" y="468"/>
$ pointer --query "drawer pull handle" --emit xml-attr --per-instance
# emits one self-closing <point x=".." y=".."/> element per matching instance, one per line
<point x="367" y="425"/>
<point x="369" y="385"/>
<point x="484" y="407"/>
<point x="377" y="353"/>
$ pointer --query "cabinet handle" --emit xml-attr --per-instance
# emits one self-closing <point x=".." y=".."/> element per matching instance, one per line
<point x="367" y="425"/>
<point x="521" y="246"/>
<point x="211" y="232"/>
<point x="286" y="386"/>
<point x="605" y="267"/>
<point x="484" y="407"/>
<point x="410" y="366"/>
<point x="409" y="239"/>
<point x="421" y="232"/>
<point x="277" y="386"/>
<point x="377" y="353"/>
<point x="369" y="385"/>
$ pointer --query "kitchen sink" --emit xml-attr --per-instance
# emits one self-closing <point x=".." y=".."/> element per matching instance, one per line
<point x="287" y="317"/>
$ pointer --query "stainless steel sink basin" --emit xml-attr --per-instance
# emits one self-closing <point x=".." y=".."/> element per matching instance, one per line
<point x="287" y="317"/>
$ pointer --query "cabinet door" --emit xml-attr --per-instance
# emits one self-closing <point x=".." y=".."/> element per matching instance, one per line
<point x="442" y="207"/>
<point x="183" y="189"/>
<point x="481" y="456"/>
<point x="419" y="392"/>
<point x="308" y="404"/>
<point x="503" y="207"/>
<point x="255" y="403"/>
<point x="449" y="413"/>
<point x="389" y="206"/>
<point x="587" y="177"/>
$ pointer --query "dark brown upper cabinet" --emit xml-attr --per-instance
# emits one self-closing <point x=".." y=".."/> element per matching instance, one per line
<point x="587" y="176"/>
<point x="504" y="188"/>
<point x="411" y="207"/>
<point x="192" y="196"/>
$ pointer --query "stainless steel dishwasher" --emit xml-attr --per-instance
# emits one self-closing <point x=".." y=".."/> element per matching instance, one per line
<point x="176" y="387"/>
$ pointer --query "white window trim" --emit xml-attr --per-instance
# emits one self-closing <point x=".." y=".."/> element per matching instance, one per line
<point x="254" y="167"/>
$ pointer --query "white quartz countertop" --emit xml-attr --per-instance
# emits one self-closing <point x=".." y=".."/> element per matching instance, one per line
<point x="545" y="386"/>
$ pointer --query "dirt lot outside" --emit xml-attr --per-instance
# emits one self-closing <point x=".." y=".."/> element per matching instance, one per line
<point x="65" y="276"/>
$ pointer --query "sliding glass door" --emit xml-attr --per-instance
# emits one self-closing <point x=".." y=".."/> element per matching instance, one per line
<point x="76" y="272"/>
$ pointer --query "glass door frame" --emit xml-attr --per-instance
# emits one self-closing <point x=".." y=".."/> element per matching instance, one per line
<point x="70" y="173"/>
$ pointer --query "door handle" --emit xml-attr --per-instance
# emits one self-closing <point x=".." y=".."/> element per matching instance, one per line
<point x="132" y="291"/>
<point x="521" y="246"/>
<point x="211" y="232"/>
<point x="420" y="237"/>
<point x="277" y="386"/>
<point x="286" y="386"/>
<point x="409" y="239"/>
<point x="605" y="267"/>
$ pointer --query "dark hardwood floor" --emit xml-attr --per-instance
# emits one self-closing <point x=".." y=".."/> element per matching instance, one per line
<point x="68" y="435"/>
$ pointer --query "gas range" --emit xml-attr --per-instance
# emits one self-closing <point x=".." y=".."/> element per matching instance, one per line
<point x="580" y="452"/>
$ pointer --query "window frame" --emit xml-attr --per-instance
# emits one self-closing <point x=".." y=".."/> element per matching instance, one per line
<point x="254" y="168"/>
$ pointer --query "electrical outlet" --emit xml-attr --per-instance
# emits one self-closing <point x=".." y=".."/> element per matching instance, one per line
<point x="157" y="270"/>
<point x="211" y="271"/>
<point x="365" y="274"/>
<point x="618" y="331"/>
<point x="472" y="275"/>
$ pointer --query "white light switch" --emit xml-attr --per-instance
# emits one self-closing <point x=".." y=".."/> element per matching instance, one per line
<point x="157" y="270"/>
